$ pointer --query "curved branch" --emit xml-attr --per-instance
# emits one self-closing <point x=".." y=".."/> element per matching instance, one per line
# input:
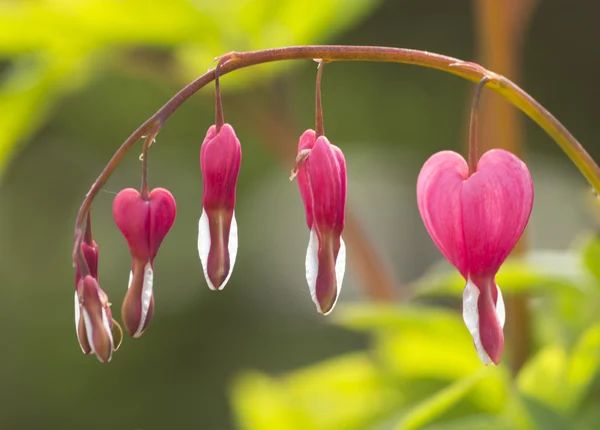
<point x="471" y="71"/>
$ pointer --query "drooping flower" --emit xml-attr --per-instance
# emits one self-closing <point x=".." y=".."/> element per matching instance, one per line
<point x="144" y="223"/>
<point x="220" y="160"/>
<point x="321" y="178"/>
<point x="476" y="221"/>
<point x="97" y="332"/>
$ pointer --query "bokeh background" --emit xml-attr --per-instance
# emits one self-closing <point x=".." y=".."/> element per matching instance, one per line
<point x="78" y="76"/>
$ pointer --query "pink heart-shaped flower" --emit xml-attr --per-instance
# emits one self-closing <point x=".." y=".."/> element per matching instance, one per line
<point x="144" y="223"/>
<point x="476" y="221"/>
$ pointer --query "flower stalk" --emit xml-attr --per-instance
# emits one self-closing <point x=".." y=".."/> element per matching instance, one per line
<point x="471" y="71"/>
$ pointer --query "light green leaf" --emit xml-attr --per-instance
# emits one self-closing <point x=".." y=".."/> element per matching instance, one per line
<point x="474" y="422"/>
<point x="416" y="341"/>
<point x="427" y="411"/>
<point x="583" y="366"/>
<point x="539" y="271"/>
<point x="591" y="256"/>
<point x="260" y="24"/>
<point x="27" y="93"/>
<point x="377" y="316"/>
<point x="260" y="402"/>
<point x="342" y="393"/>
<point x="543" y="378"/>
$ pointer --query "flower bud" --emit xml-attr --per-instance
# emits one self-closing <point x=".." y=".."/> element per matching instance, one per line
<point x="144" y="223"/>
<point x="476" y="221"/>
<point x="322" y="183"/>
<point x="220" y="160"/>
<point x="93" y="320"/>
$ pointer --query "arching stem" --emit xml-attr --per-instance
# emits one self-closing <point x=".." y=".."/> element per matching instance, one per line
<point x="474" y="127"/>
<point x="467" y="70"/>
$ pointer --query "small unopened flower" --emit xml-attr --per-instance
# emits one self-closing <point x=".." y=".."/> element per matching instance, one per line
<point x="144" y="223"/>
<point x="321" y="174"/>
<point x="476" y="220"/>
<point x="97" y="332"/>
<point x="93" y="320"/>
<point x="220" y="159"/>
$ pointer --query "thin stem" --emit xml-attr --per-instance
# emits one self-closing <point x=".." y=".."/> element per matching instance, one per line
<point x="319" y="130"/>
<point x="219" y="120"/>
<point x="467" y="70"/>
<point x="87" y="238"/>
<point x="474" y="126"/>
<point x="144" y="157"/>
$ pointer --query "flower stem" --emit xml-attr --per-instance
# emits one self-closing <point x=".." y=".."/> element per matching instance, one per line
<point x="319" y="130"/>
<point x="144" y="157"/>
<point x="474" y="127"/>
<point x="219" y="120"/>
<point x="471" y="71"/>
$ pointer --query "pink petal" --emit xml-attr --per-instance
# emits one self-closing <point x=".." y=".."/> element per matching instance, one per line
<point x="307" y="141"/>
<point x="438" y="196"/>
<point x="496" y="201"/>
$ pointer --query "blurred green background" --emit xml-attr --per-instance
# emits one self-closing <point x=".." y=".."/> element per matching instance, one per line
<point x="78" y="76"/>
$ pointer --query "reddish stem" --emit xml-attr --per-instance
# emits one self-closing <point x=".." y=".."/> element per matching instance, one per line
<point x="474" y="127"/>
<point x="219" y="120"/>
<point x="467" y="70"/>
<point x="319" y="129"/>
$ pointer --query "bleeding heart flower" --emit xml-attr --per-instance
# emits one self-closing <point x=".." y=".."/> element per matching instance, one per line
<point x="97" y="332"/>
<point x="144" y="223"/>
<point x="93" y="320"/>
<point x="476" y="221"/>
<point x="322" y="182"/>
<point x="220" y="160"/>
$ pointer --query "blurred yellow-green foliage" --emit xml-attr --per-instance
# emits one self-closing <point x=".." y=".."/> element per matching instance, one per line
<point x="78" y="76"/>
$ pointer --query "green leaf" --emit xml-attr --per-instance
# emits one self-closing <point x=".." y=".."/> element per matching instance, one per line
<point x="260" y="402"/>
<point x="474" y="422"/>
<point x="583" y="366"/>
<point x="27" y="93"/>
<point x="260" y="24"/>
<point x="539" y="271"/>
<point x="416" y="341"/>
<point x="430" y="409"/>
<point x="543" y="378"/>
<point x="377" y="316"/>
<point x="591" y="255"/>
<point x="342" y="393"/>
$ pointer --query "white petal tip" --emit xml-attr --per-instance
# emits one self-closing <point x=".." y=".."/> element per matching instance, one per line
<point x="312" y="269"/>
<point x="147" y="287"/>
<point x="204" y="242"/>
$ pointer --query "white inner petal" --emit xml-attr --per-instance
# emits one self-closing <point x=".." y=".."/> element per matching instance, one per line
<point x="89" y="330"/>
<point x="312" y="268"/>
<point x="146" y="297"/>
<point x="77" y="317"/>
<point x="500" y="311"/>
<point x="204" y="247"/>
<point x="77" y="311"/>
<point x="312" y="265"/>
<point x="106" y="325"/>
<point x="471" y="318"/>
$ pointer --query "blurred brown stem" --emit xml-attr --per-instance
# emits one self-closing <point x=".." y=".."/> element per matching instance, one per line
<point x="500" y="26"/>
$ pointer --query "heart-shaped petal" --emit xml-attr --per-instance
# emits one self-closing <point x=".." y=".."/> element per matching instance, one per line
<point x="476" y="221"/>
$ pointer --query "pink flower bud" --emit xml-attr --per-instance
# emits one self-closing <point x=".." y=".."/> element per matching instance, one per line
<point x="93" y="319"/>
<point x="476" y="221"/>
<point x="144" y="223"/>
<point x="220" y="159"/>
<point x="322" y="184"/>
